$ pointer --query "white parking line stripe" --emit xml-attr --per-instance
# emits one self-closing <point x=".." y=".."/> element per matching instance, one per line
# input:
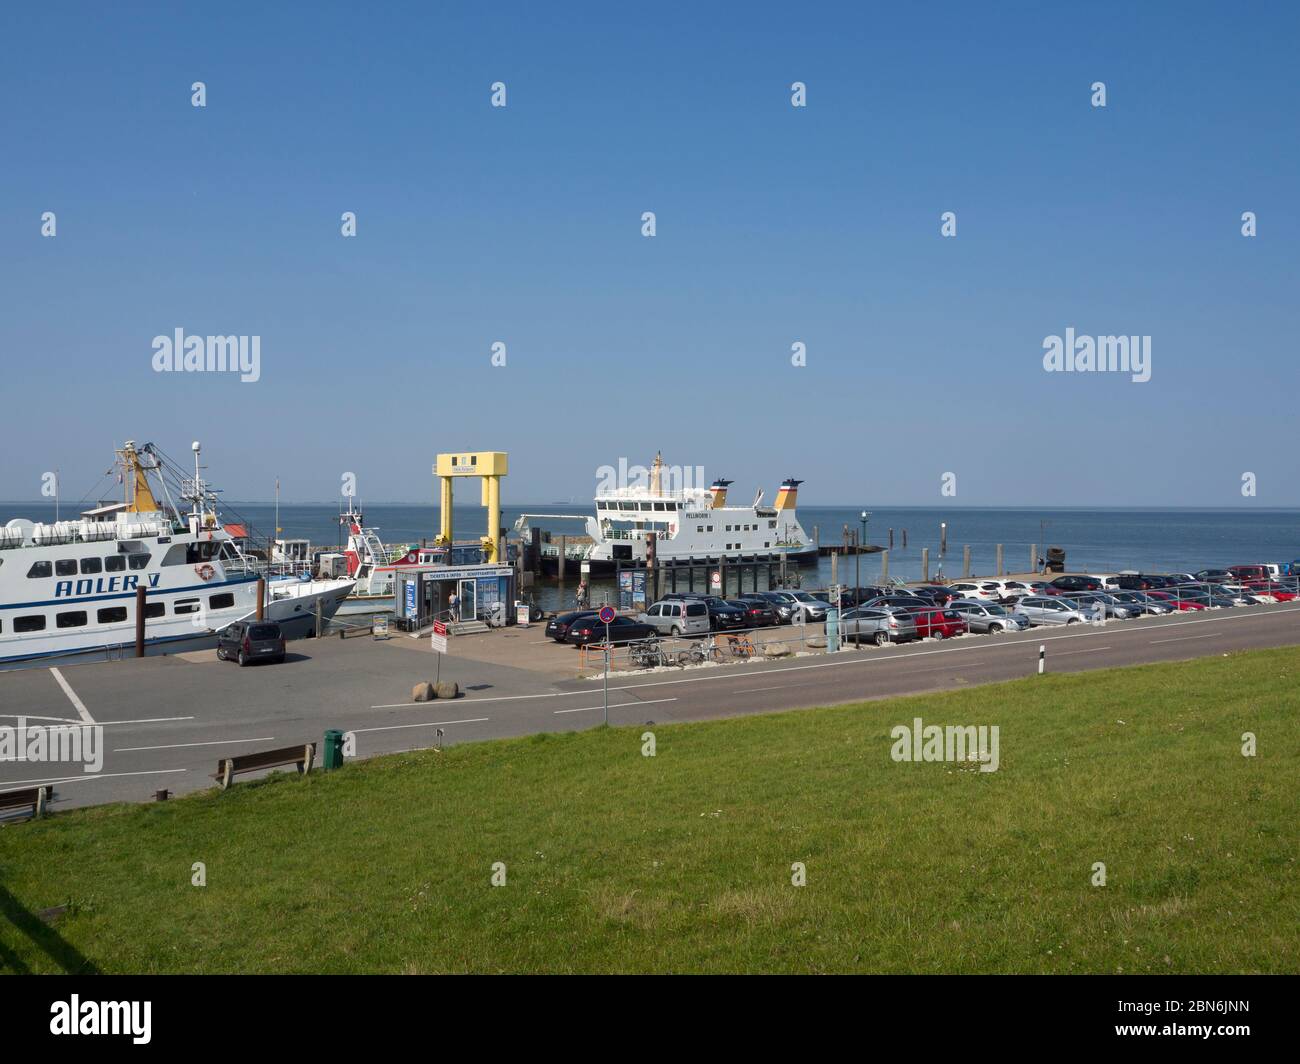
<point x="424" y="724"/>
<point x="144" y="720"/>
<point x="182" y="746"/>
<point x="89" y="776"/>
<point x="77" y="704"/>
<point x="616" y="705"/>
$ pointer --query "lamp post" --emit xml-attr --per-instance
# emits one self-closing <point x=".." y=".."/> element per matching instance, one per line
<point x="857" y="590"/>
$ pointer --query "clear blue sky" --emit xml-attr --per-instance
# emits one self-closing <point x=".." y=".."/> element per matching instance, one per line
<point x="775" y="225"/>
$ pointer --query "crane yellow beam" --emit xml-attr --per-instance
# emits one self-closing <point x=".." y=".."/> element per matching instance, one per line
<point x="491" y="466"/>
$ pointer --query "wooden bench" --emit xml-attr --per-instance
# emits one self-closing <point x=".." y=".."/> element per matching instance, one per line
<point x="33" y="797"/>
<point x="229" y="767"/>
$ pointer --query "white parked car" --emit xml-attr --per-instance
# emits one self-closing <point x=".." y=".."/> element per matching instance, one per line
<point x="988" y="616"/>
<point x="978" y="590"/>
<point x="1044" y="610"/>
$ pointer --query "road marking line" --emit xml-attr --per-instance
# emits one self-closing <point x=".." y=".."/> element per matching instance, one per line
<point x="1090" y="650"/>
<point x="93" y="776"/>
<point x="617" y="705"/>
<point x="145" y="720"/>
<point x="182" y="746"/>
<point x="72" y="697"/>
<point x="30" y="716"/>
<point x="425" y="724"/>
<point x="1184" y="638"/>
<point x="753" y="690"/>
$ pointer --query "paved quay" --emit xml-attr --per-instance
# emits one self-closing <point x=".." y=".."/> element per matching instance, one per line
<point x="167" y="720"/>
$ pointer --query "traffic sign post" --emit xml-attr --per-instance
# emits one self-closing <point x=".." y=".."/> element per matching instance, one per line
<point x="438" y="641"/>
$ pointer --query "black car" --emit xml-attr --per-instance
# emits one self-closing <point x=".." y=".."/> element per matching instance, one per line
<point x="1139" y="581"/>
<point x="723" y="615"/>
<point x="1066" y="584"/>
<point x="780" y="605"/>
<point x="591" y="629"/>
<point x="759" y="613"/>
<point x="557" y="627"/>
<point x="250" y="641"/>
<point x="941" y="595"/>
<point x="856" y="596"/>
<point x="907" y="602"/>
<point x="1215" y="576"/>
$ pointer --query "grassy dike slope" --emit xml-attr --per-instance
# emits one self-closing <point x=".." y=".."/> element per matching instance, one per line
<point x="681" y="862"/>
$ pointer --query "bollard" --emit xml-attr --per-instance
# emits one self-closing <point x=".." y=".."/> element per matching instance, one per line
<point x="333" y="757"/>
<point x="139" y="621"/>
<point x="1042" y="654"/>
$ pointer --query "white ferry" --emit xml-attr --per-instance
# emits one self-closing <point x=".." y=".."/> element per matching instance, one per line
<point x="688" y="524"/>
<point x="69" y="589"/>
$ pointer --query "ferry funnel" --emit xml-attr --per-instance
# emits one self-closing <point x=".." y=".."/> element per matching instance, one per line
<point x="718" y="489"/>
<point x="785" y="496"/>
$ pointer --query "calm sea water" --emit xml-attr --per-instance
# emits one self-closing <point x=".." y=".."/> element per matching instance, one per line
<point x="1102" y="540"/>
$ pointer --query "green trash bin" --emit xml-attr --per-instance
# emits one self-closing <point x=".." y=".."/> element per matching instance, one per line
<point x="333" y="749"/>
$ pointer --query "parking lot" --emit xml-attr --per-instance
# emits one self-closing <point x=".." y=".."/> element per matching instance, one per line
<point x="167" y="720"/>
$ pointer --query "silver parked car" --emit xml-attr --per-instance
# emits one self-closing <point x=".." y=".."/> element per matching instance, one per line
<point x="988" y="616"/>
<point x="678" y="617"/>
<point x="878" y="624"/>
<point x="1112" y="607"/>
<point x="1049" y="610"/>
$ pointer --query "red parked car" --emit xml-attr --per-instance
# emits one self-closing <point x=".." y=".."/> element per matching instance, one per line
<point x="1244" y="573"/>
<point x="1177" y="601"/>
<point x="1278" y="592"/>
<point x="941" y="624"/>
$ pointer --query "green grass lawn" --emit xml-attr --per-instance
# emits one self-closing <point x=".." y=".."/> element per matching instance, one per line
<point x="682" y="862"/>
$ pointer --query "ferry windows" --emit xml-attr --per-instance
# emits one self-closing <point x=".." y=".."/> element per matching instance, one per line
<point x="645" y="506"/>
<point x="175" y="555"/>
<point x="138" y="561"/>
<point x="65" y="567"/>
<point x="186" y="606"/>
<point x="39" y="569"/>
<point x="32" y="623"/>
<point x="91" y="565"/>
<point x="221" y="602"/>
<point x="115" y="563"/>
<point x="154" y="609"/>
<point x="659" y="506"/>
<point x="72" y="619"/>
<point x="111" y="615"/>
<point x="771" y="524"/>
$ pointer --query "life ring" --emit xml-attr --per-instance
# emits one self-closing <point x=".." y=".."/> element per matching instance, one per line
<point x="205" y="571"/>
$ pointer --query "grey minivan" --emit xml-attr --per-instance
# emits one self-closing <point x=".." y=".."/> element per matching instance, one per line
<point x="678" y="617"/>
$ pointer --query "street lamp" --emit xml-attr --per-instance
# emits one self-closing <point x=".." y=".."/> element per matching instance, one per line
<point x="857" y="591"/>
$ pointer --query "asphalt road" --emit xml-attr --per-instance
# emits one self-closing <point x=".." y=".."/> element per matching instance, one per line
<point x="167" y="720"/>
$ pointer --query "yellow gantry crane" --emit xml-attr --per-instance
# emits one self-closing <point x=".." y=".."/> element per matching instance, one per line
<point x="491" y="466"/>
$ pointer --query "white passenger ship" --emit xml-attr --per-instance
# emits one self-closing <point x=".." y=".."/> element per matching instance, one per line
<point x="69" y="589"/>
<point x="688" y="524"/>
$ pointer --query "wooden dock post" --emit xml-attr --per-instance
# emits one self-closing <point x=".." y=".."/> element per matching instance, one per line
<point x="261" y="598"/>
<point x="1033" y="558"/>
<point x="884" y="567"/>
<point x="925" y="565"/>
<point x="965" y="561"/>
<point x="140" y="595"/>
<point x="999" y="572"/>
